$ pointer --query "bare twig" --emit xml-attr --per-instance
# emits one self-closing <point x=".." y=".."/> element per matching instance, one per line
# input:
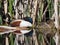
<point x="45" y="11"/>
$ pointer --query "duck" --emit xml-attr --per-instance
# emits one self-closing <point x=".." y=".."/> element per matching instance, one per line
<point x="23" y="23"/>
